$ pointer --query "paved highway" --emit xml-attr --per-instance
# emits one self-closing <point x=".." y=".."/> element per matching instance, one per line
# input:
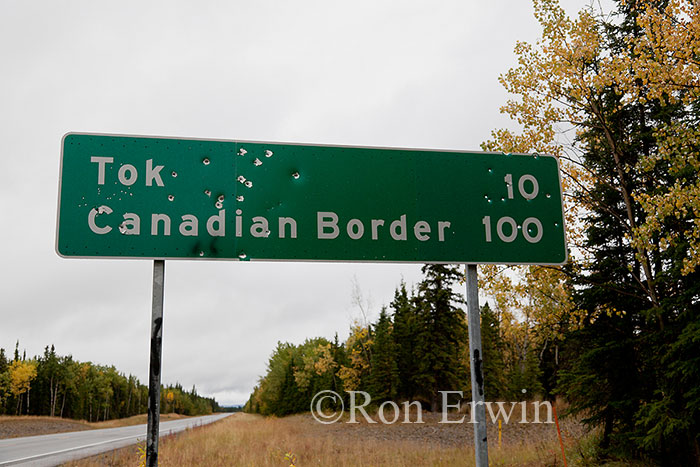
<point x="51" y="450"/>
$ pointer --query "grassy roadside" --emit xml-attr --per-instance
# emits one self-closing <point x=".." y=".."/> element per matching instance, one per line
<point x="245" y="439"/>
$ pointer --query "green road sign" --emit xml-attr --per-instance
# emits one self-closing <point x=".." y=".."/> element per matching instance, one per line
<point x="145" y="197"/>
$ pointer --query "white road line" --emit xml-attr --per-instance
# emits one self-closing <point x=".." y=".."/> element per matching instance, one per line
<point x="46" y="454"/>
<point x="176" y="428"/>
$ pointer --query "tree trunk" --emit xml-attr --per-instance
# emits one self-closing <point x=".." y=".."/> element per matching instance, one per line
<point x="627" y="199"/>
<point x="544" y="347"/>
<point x="55" y="400"/>
<point x="52" y="396"/>
<point x="607" y="429"/>
<point x="434" y="407"/>
<point x="128" y="402"/>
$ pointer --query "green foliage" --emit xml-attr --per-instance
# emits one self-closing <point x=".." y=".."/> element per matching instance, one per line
<point x="668" y="422"/>
<point x="174" y="399"/>
<point x="626" y="84"/>
<point x="524" y="378"/>
<point x="294" y="375"/>
<point x="60" y="386"/>
<point x="631" y="369"/>
<point x="3" y="361"/>
<point x="384" y="377"/>
<point x="405" y="338"/>
<point x="411" y="354"/>
<point x="494" y="367"/>
<point x="441" y="334"/>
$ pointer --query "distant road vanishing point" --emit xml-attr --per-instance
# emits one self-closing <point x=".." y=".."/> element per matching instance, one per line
<point x="55" y="449"/>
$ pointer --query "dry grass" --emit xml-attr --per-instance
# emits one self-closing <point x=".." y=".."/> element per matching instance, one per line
<point x="250" y="440"/>
<point x="135" y="420"/>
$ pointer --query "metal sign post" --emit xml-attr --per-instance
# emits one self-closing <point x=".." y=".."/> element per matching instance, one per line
<point x="477" y="375"/>
<point x="155" y="364"/>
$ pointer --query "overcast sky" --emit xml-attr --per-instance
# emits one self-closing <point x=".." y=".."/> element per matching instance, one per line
<point x="417" y="74"/>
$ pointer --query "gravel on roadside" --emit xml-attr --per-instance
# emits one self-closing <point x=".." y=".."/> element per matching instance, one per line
<point x="17" y="427"/>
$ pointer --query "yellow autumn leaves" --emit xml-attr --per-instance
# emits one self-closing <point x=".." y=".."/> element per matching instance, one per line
<point x="317" y="360"/>
<point x="557" y="88"/>
<point x="17" y="379"/>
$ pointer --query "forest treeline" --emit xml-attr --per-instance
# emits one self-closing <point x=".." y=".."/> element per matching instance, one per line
<point x="417" y="347"/>
<point x="614" y="94"/>
<point x="55" y="385"/>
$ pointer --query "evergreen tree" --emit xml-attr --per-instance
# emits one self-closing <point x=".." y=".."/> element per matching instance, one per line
<point x="628" y="84"/>
<point x="280" y="374"/>
<point x="56" y="385"/>
<point x="628" y="368"/>
<point x="4" y="381"/>
<point x="340" y="358"/>
<point x="290" y="398"/>
<point x="441" y="335"/>
<point x="495" y="382"/>
<point x="405" y="338"/>
<point x="524" y="378"/>
<point x="384" y="377"/>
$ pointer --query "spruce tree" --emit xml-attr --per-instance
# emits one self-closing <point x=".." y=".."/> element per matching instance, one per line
<point x="524" y="377"/>
<point x="384" y="376"/>
<point x="4" y="380"/>
<point x="405" y="338"/>
<point x="631" y="366"/>
<point x="495" y="383"/>
<point x="340" y="359"/>
<point x="441" y="334"/>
